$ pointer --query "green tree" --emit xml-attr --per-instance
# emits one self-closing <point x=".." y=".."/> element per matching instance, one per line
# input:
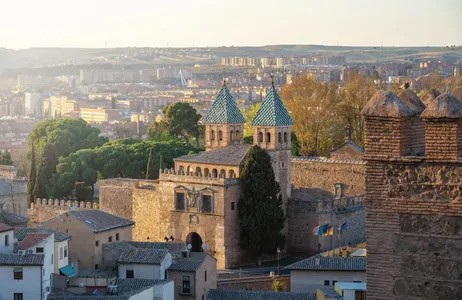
<point x="5" y="158"/>
<point x="149" y="170"/>
<point x="183" y="120"/>
<point x="278" y="285"/>
<point x="32" y="177"/>
<point x="248" y="116"/>
<point x="261" y="216"/>
<point x="45" y="171"/>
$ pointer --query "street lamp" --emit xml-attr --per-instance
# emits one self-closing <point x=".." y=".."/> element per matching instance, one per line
<point x="279" y="252"/>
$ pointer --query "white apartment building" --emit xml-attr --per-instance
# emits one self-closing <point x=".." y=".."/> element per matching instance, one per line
<point x="33" y="105"/>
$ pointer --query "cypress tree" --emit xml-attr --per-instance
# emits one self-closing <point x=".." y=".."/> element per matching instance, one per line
<point x="39" y="187"/>
<point x="7" y="158"/>
<point x="261" y="216"/>
<point x="45" y="171"/>
<point x="32" y="177"/>
<point x="149" y="173"/>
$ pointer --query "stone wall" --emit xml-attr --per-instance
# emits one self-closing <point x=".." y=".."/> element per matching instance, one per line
<point x="45" y="209"/>
<point x="251" y="282"/>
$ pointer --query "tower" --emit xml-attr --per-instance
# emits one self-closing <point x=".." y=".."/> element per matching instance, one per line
<point x="271" y="131"/>
<point x="224" y="123"/>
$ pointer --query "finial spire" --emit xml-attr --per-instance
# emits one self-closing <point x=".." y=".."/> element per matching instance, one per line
<point x="272" y="79"/>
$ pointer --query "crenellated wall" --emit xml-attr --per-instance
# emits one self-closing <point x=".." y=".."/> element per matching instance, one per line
<point x="44" y="209"/>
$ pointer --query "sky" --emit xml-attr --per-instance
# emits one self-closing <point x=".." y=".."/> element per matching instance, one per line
<point x="207" y="23"/>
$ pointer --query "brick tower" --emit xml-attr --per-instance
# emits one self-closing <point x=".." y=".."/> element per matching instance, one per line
<point x="224" y="123"/>
<point x="271" y="131"/>
<point x="413" y="206"/>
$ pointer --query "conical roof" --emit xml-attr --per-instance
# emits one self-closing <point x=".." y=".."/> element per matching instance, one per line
<point x="430" y="96"/>
<point x="224" y="109"/>
<point x="272" y="111"/>
<point x="387" y="104"/>
<point x="411" y="100"/>
<point x="444" y="106"/>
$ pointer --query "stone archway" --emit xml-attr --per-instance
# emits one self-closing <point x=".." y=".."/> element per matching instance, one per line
<point x="195" y="240"/>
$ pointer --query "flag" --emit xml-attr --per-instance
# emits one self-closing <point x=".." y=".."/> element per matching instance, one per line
<point x="341" y="228"/>
<point x="329" y="230"/>
<point x="315" y="230"/>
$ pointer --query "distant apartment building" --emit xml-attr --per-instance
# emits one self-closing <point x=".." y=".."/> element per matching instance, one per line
<point x="57" y="106"/>
<point x="173" y="72"/>
<point x="282" y="61"/>
<point x="33" y="105"/>
<point x="107" y="76"/>
<point x="100" y="115"/>
<point x="33" y="82"/>
<point x="144" y="117"/>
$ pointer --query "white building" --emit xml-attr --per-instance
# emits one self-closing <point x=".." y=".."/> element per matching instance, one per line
<point x="33" y="105"/>
<point x="324" y="271"/>
<point x="6" y="239"/>
<point x="144" y="263"/>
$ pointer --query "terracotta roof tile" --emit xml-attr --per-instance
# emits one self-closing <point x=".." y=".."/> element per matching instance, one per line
<point x="444" y="106"/>
<point x="32" y="239"/>
<point x="4" y="227"/>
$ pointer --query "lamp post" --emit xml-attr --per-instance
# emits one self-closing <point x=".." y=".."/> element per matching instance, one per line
<point x="278" y="252"/>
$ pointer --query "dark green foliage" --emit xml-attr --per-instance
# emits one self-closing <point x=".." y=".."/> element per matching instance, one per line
<point x="295" y="149"/>
<point x="149" y="170"/>
<point x="83" y="192"/>
<point x="261" y="215"/>
<point x="126" y="158"/>
<point x="248" y="140"/>
<point x="32" y="176"/>
<point x="45" y="171"/>
<point x="5" y="158"/>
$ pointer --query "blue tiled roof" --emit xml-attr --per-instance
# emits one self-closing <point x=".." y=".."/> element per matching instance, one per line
<point x="272" y="111"/>
<point x="330" y="263"/>
<point x="224" y="110"/>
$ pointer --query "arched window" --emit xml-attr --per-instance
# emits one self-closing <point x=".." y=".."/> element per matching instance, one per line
<point x="212" y="135"/>
<point x="220" y="135"/>
<point x="268" y="137"/>
<point x="188" y="170"/>
<point x="214" y="173"/>
<point x="222" y="173"/>
<point x="260" y="137"/>
<point x="231" y="174"/>
<point x="206" y="172"/>
<point x="198" y="171"/>
<point x="279" y="138"/>
<point x="231" y="135"/>
<point x="181" y="170"/>
<point x="285" y="137"/>
<point x="238" y="137"/>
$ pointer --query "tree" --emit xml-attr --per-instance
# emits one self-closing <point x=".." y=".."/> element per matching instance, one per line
<point x="182" y="120"/>
<point x="248" y="116"/>
<point x="5" y="158"/>
<point x="32" y="177"/>
<point x="45" y="171"/>
<point x="261" y="216"/>
<point x="149" y="170"/>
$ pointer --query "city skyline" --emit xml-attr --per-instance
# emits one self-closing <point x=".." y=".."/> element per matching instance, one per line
<point x="207" y="23"/>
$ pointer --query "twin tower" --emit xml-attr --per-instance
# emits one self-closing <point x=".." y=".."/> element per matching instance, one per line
<point x="224" y="127"/>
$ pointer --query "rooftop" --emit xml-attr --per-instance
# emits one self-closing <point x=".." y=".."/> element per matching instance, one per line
<point x="143" y="256"/>
<point x="188" y="264"/>
<point x="231" y="155"/>
<point x="444" y="106"/>
<point x="20" y="233"/>
<point x="4" y="227"/>
<point x="21" y="260"/>
<point x="224" y="109"/>
<point x="330" y="263"/>
<point x="387" y="104"/>
<point x="219" y="294"/>
<point x="33" y="239"/>
<point x="429" y="96"/>
<point x="358" y="286"/>
<point x="12" y="219"/>
<point x="130" y="285"/>
<point x="272" y="111"/>
<point x="411" y="100"/>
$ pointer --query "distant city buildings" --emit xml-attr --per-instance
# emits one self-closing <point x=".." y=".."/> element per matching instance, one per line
<point x="33" y="105"/>
<point x="282" y="61"/>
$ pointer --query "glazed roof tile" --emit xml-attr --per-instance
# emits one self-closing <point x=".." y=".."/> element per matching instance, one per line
<point x="230" y="155"/>
<point x="224" y="109"/>
<point x="272" y="111"/>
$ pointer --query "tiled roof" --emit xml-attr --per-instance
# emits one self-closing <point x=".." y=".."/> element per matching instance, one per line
<point x="319" y="159"/>
<point x="88" y="297"/>
<point x="4" y="227"/>
<point x="328" y="263"/>
<point x="272" y="111"/>
<point x="98" y="220"/>
<point x="188" y="264"/>
<point x="143" y="256"/>
<point x="349" y="143"/>
<point x="20" y="233"/>
<point x="32" y="239"/>
<point x="219" y="294"/>
<point x="21" y="260"/>
<point x="444" y="106"/>
<point x="129" y="285"/>
<point x="12" y="219"/>
<point x="231" y="155"/>
<point x="387" y="104"/>
<point x="224" y="110"/>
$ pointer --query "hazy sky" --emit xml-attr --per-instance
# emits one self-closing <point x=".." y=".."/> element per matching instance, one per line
<point x="158" y="23"/>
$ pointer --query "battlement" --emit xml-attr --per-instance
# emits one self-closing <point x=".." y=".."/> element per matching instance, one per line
<point x="64" y="203"/>
<point x="340" y="205"/>
<point x="181" y="176"/>
<point x="319" y="159"/>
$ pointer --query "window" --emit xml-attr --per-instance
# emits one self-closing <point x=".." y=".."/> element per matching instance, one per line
<point x="326" y="282"/>
<point x="186" y="285"/>
<point x="238" y="135"/>
<point x="165" y="274"/>
<point x="260" y="137"/>
<point x="65" y="251"/>
<point x="52" y="259"/>
<point x="231" y="174"/>
<point x="18" y="296"/>
<point x="268" y="137"/>
<point x="232" y="206"/>
<point x="129" y="274"/>
<point x="17" y="273"/>
<point x="180" y="201"/>
<point x="109" y="239"/>
<point x="214" y="173"/>
<point x="213" y="135"/>
<point x="334" y="282"/>
<point x="285" y="137"/>
<point x="7" y="240"/>
<point x="96" y="267"/>
<point x="198" y="171"/>
<point x="97" y="243"/>
<point x="231" y="135"/>
<point x="207" y="203"/>
<point x="205" y="275"/>
<point x="39" y="250"/>
<point x="117" y="236"/>
<point x="61" y="253"/>
<point x="206" y="172"/>
<point x="220" y="135"/>
<point x="279" y="138"/>
<point x="43" y="272"/>
<point x="222" y="173"/>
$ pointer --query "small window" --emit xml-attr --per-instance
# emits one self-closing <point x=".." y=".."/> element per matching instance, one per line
<point x="61" y="253"/>
<point x="186" y="285"/>
<point x="65" y="251"/>
<point x="231" y="135"/>
<point x="180" y="201"/>
<point x="260" y="137"/>
<point x="268" y="137"/>
<point x="214" y="173"/>
<point x="232" y="206"/>
<point x="7" y="240"/>
<point x="326" y="282"/>
<point x="238" y="135"/>
<point x="220" y="135"/>
<point x="285" y="137"/>
<point x="97" y="243"/>
<point x="207" y="203"/>
<point x="205" y="275"/>
<point x="18" y="296"/>
<point x="129" y="274"/>
<point x="117" y="236"/>
<point x="212" y="135"/>
<point x="279" y="138"/>
<point x="39" y="250"/>
<point x="206" y="172"/>
<point x="17" y="274"/>
<point x="52" y="259"/>
<point x="96" y="267"/>
<point x="165" y="274"/>
<point x="109" y="239"/>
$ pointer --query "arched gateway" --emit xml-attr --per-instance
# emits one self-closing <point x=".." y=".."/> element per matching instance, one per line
<point x="195" y="240"/>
